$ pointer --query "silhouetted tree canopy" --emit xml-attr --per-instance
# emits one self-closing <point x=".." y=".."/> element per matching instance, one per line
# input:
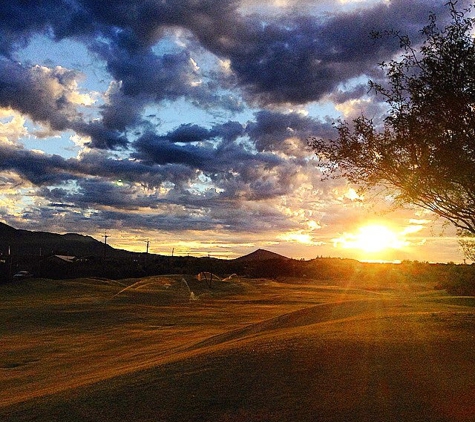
<point x="424" y="152"/>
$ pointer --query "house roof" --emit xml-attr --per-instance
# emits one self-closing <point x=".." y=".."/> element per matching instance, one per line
<point x="65" y="258"/>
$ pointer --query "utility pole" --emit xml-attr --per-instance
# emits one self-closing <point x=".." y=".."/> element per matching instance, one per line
<point x="146" y="251"/>
<point x="10" y="258"/>
<point x="105" y="244"/>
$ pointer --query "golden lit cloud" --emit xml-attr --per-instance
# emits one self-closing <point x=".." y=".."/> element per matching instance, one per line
<point x="353" y="195"/>
<point x="298" y="237"/>
<point x="413" y="229"/>
<point x="345" y="194"/>
<point x="12" y="126"/>
<point x="352" y="108"/>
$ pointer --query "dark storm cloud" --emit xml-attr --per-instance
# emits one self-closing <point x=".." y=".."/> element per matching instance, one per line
<point x="37" y="168"/>
<point x="294" y="59"/>
<point x="236" y="172"/>
<point x="168" y="221"/>
<point x="30" y="91"/>
<point x="145" y="75"/>
<point x="187" y="132"/>
<point x="106" y="181"/>
<point x="271" y="129"/>
<point x="46" y="95"/>
<point x="19" y="20"/>
<point x="267" y="132"/>
<point x="140" y="72"/>
<point x="234" y="169"/>
<point x="92" y="193"/>
<point x="122" y="111"/>
<point x="228" y="131"/>
<point x="134" y="171"/>
<point x="101" y="136"/>
<point x="119" y="33"/>
<point x="45" y="170"/>
<point x="341" y="96"/>
<point x="299" y="59"/>
<point x="209" y="158"/>
<point x="153" y="149"/>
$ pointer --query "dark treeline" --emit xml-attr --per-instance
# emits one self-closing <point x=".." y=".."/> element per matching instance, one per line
<point x="456" y="279"/>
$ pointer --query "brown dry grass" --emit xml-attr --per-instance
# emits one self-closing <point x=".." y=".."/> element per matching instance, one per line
<point x="250" y="350"/>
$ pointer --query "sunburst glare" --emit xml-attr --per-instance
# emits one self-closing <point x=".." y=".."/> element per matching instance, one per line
<point x="371" y="238"/>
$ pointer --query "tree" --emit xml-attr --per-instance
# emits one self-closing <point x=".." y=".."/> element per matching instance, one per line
<point x="467" y="243"/>
<point x="424" y="151"/>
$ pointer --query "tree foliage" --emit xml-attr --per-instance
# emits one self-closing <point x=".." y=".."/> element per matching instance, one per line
<point x="467" y="243"/>
<point x="425" y="150"/>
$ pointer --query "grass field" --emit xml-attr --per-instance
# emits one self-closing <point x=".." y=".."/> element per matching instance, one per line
<point x="245" y="350"/>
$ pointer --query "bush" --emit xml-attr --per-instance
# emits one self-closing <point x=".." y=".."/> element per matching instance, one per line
<point x="460" y="280"/>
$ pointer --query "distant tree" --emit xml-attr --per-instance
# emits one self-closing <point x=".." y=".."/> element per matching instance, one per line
<point x="424" y="152"/>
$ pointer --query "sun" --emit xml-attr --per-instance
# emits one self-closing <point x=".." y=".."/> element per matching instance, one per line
<point x="375" y="238"/>
<point x="371" y="238"/>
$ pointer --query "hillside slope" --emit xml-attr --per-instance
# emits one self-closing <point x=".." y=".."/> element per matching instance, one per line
<point x="25" y="242"/>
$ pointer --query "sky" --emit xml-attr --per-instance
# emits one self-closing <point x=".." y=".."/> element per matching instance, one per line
<point x="185" y="123"/>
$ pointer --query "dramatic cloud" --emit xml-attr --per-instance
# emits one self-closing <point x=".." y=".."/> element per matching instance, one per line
<point x="272" y="131"/>
<point x="184" y="116"/>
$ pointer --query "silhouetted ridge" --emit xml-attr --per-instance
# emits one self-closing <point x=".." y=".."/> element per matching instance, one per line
<point x="6" y="230"/>
<point x="25" y="242"/>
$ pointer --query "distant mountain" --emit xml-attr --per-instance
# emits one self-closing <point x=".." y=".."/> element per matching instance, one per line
<point x="33" y="243"/>
<point x="25" y="242"/>
<point x="260" y="255"/>
<point x="6" y="230"/>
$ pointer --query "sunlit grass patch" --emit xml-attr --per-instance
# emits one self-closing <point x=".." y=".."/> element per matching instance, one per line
<point x="140" y="350"/>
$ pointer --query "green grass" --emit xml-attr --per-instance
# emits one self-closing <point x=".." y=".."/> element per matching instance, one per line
<point x="246" y="350"/>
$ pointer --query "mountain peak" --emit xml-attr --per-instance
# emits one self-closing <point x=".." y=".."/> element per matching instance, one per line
<point x="261" y="255"/>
